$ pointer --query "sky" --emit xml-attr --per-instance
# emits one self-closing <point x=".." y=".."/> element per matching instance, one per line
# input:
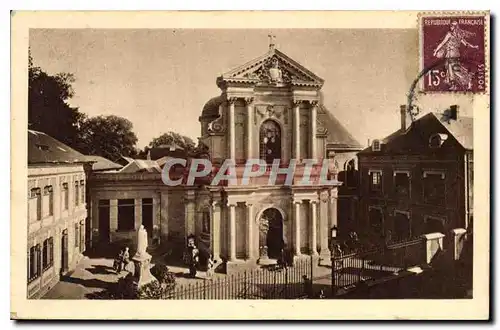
<point x="160" y="79"/>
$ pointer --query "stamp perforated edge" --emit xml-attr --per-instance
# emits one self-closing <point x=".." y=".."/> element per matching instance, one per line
<point x="486" y="16"/>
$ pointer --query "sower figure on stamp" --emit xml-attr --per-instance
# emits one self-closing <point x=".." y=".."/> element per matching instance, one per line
<point x="449" y="48"/>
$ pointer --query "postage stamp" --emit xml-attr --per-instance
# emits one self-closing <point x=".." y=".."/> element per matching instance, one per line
<point x="453" y="53"/>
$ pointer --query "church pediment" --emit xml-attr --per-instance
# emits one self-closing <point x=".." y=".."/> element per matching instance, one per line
<point x="274" y="68"/>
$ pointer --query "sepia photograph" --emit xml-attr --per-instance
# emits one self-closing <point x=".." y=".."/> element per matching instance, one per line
<point x="284" y="163"/>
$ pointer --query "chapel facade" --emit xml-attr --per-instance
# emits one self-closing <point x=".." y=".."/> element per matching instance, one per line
<point x="270" y="109"/>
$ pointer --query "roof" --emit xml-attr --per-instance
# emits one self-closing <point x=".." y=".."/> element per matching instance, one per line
<point x="102" y="164"/>
<point x="141" y="165"/>
<point x="43" y="148"/>
<point x="337" y="135"/>
<point x="211" y="108"/>
<point x="461" y="129"/>
<point x="257" y="71"/>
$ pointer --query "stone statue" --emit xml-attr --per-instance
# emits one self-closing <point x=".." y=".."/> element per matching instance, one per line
<point x="142" y="241"/>
<point x="275" y="72"/>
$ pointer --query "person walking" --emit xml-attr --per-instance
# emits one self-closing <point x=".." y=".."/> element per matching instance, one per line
<point x="117" y="263"/>
<point x="194" y="261"/>
<point x="210" y="267"/>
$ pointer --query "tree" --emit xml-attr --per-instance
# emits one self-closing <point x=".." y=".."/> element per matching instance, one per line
<point x="170" y="138"/>
<point x="48" y="108"/>
<point x="108" y="136"/>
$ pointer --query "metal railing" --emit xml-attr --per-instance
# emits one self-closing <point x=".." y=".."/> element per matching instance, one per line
<point x="358" y="266"/>
<point x="276" y="282"/>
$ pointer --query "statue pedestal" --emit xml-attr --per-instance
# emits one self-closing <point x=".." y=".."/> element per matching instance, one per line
<point x="142" y="273"/>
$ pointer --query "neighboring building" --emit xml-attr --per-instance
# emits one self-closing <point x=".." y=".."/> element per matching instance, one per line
<point x="419" y="179"/>
<point x="56" y="211"/>
<point x="166" y="150"/>
<point x="269" y="108"/>
<point x="100" y="164"/>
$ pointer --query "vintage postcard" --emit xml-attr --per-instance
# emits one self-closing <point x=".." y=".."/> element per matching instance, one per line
<point x="290" y="165"/>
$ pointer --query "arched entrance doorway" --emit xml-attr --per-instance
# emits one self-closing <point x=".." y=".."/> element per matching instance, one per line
<point x="271" y="240"/>
<point x="270" y="141"/>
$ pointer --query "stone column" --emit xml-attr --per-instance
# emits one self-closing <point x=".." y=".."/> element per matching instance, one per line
<point x="296" y="219"/>
<point x="313" y="130"/>
<point x="215" y="229"/>
<point x="249" y="101"/>
<point x="189" y="213"/>
<point x="232" y="230"/>
<point x="94" y="220"/>
<point x="156" y="218"/>
<point x="333" y="208"/>
<point x="323" y="225"/>
<point x="313" y="224"/>
<point x="231" y="126"/>
<point x="296" y="133"/>
<point x="163" y="210"/>
<point x="250" y="233"/>
<point x="113" y="215"/>
<point x="138" y="213"/>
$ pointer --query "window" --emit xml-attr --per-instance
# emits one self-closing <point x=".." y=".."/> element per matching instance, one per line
<point x="375" y="181"/>
<point x="82" y="236"/>
<point x="437" y="140"/>
<point x="376" y="221"/>
<point x="76" y="193"/>
<point x="434" y="187"/>
<point x="376" y="145"/>
<point x="36" y="196"/>
<point x="402" y="225"/>
<point x="48" y="196"/>
<point x="77" y="235"/>
<point x="65" y="196"/>
<point x="82" y="191"/>
<point x="147" y="215"/>
<point x="270" y="141"/>
<point x="34" y="263"/>
<point x="402" y="183"/>
<point x="126" y="215"/>
<point x="205" y="224"/>
<point x="36" y="193"/>
<point x="48" y="253"/>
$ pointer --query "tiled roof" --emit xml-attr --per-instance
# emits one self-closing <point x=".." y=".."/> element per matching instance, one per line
<point x="102" y="164"/>
<point x="43" y="148"/>
<point x="337" y="136"/>
<point x="461" y="129"/>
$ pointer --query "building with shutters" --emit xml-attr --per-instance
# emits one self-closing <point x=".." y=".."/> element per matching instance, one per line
<point x="419" y="179"/>
<point x="57" y="211"/>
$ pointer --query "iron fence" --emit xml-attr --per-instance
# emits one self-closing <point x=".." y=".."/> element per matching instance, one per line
<point x="358" y="266"/>
<point x="274" y="282"/>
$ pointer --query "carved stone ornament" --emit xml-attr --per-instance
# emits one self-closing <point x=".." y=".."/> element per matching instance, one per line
<point x="269" y="112"/>
<point x="275" y="72"/>
<point x="217" y="125"/>
<point x="320" y="127"/>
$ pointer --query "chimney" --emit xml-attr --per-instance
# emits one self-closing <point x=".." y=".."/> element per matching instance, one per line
<point x="368" y="142"/>
<point x="405" y="122"/>
<point x="454" y="112"/>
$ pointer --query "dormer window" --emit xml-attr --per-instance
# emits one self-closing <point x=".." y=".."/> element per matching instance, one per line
<point x="42" y="147"/>
<point x="376" y="145"/>
<point x="437" y="140"/>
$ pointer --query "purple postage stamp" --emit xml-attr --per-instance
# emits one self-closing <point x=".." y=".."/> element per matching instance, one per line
<point x="453" y="53"/>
